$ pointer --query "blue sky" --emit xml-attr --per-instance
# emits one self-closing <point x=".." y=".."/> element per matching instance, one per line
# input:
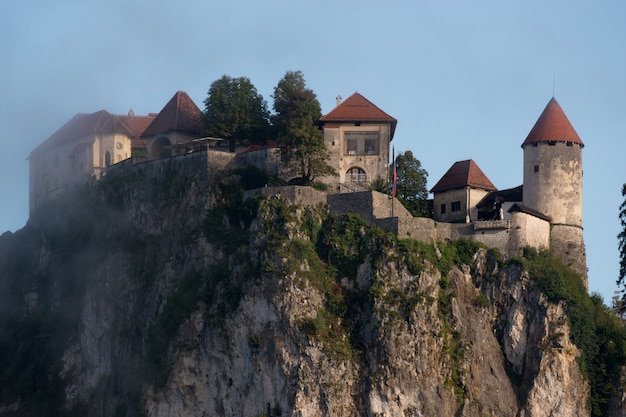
<point x="464" y="79"/>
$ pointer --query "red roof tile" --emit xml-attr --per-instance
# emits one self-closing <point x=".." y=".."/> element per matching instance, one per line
<point x="553" y="125"/>
<point x="179" y="114"/>
<point x="464" y="174"/>
<point x="101" y="122"/>
<point x="357" y="108"/>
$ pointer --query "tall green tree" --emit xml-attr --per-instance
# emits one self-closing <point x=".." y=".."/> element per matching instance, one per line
<point x="621" y="237"/>
<point x="411" y="184"/>
<point x="235" y="111"/>
<point x="298" y="135"/>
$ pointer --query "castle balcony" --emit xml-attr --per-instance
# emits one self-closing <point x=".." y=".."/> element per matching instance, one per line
<point x="492" y="225"/>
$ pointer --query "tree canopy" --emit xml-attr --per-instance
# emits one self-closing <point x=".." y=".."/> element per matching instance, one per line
<point x="295" y="123"/>
<point x="235" y="111"/>
<point x="411" y="188"/>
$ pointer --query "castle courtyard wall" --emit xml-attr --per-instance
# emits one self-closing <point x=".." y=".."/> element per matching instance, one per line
<point x="370" y="205"/>
<point x="295" y="194"/>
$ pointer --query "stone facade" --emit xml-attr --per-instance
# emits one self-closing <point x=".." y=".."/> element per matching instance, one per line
<point x="459" y="204"/>
<point x="553" y="180"/>
<point x="357" y="136"/>
<point x="360" y="165"/>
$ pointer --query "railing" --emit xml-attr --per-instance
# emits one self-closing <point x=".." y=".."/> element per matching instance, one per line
<point x="351" y="187"/>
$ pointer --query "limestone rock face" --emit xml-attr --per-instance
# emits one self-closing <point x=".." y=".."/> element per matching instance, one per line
<point x="186" y="310"/>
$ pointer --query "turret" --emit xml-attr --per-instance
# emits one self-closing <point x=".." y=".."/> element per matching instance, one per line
<point x="553" y="182"/>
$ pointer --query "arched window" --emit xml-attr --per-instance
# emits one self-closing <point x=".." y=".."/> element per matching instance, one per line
<point x="356" y="174"/>
<point x="161" y="148"/>
<point x="107" y="159"/>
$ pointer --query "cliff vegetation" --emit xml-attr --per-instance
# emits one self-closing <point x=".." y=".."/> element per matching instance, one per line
<point x="160" y="295"/>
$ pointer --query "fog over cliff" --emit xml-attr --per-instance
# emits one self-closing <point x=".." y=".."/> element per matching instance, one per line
<point x="168" y="295"/>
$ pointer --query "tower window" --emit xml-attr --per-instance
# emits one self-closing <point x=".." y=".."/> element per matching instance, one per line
<point x="443" y="209"/>
<point x="569" y="143"/>
<point x="536" y="168"/>
<point x="455" y="206"/>
<point x="361" y="143"/>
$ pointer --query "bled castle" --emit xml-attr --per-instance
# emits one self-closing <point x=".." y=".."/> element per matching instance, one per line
<point x="544" y="212"/>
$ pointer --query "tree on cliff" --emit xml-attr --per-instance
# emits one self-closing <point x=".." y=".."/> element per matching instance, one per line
<point x="621" y="237"/>
<point x="235" y="111"/>
<point x="300" y="139"/>
<point x="411" y="184"/>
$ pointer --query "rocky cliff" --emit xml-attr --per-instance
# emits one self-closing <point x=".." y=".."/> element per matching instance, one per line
<point x="166" y="295"/>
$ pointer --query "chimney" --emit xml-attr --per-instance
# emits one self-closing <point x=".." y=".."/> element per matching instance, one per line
<point x="338" y="98"/>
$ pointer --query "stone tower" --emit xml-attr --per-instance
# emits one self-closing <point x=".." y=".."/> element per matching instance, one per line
<point x="553" y="177"/>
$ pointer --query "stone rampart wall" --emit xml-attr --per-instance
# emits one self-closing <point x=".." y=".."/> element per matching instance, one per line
<point x="568" y="245"/>
<point x="506" y="235"/>
<point x="295" y="194"/>
<point x="204" y="163"/>
<point x="370" y="205"/>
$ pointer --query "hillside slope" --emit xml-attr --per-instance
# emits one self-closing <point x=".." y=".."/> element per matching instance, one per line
<point x="159" y="294"/>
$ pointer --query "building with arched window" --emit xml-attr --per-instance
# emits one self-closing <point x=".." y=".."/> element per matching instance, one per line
<point x="357" y="135"/>
<point x="88" y="144"/>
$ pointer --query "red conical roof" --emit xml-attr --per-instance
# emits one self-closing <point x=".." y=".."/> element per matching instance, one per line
<point x="553" y="126"/>
<point x="464" y="174"/>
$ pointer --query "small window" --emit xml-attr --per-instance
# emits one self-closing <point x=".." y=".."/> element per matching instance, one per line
<point x="443" y="209"/>
<point x="569" y="143"/>
<point x="551" y="143"/>
<point x="455" y="206"/>
<point x="536" y="168"/>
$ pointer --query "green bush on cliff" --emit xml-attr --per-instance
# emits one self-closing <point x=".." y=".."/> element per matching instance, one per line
<point x="594" y="328"/>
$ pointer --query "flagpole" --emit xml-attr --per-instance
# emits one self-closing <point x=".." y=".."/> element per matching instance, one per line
<point x="393" y="179"/>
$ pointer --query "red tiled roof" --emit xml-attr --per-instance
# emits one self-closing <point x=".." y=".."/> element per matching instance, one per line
<point x="553" y="125"/>
<point x="357" y="108"/>
<point x="464" y="174"/>
<point x="179" y="114"/>
<point x="101" y="122"/>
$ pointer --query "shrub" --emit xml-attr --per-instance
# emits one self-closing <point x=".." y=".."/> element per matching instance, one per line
<point x="594" y="328"/>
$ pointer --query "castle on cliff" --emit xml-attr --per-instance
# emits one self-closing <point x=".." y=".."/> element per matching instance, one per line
<point x="544" y="212"/>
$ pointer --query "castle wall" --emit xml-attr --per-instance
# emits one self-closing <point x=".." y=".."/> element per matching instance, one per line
<point x="267" y="159"/>
<point x="553" y="180"/>
<point x="370" y="205"/>
<point x="463" y="196"/>
<point x="53" y="170"/>
<point x="528" y="230"/>
<point x="568" y="245"/>
<point x="203" y="163"/>
<point x="332" y="141"/>
<point x="294" y="193"/>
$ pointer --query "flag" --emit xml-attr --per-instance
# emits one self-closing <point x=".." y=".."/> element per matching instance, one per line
<point x="395" y="175"/>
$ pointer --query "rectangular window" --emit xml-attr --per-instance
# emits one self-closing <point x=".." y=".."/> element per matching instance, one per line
<point x="455" y="206"/>
<point x="361" y="143"/>
<point x="443" y="209"/>
<point x="536" y="168"/>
